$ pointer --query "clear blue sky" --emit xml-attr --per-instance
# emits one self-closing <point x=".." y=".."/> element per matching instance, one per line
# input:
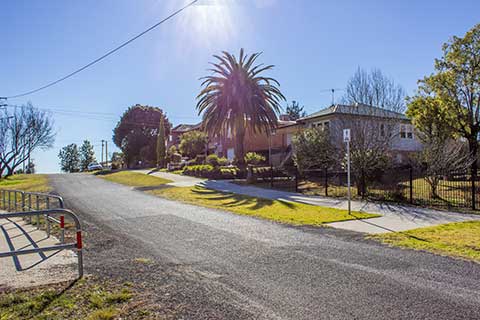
<point x="315" y="45"/>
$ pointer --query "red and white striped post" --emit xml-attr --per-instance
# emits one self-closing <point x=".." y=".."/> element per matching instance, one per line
<point x="80" y="253"/>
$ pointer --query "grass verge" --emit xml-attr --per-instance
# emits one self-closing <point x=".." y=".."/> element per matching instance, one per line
<point x="461" y="239"/>
<point x="26" y="182"/>
<point x="88" y="298"/>
<point x="134" y="179"/>
<point x="276" y="210"/>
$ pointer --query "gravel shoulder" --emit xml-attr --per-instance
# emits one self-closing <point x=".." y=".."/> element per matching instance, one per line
<point x="210" y="264"/>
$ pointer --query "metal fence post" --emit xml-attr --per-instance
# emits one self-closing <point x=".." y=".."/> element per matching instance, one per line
<point x="38" y="208"/>
<point x="79" y="252"/>
<point x="47" y="216"/>
<point x="271" y="176"/>
<point x="296" y="179"/>
<point x="3" y="200"/>
<point x="30" y="206"/>
<point x="411" y="184"/>
<point x="9" y="195"/>
<point x="474" y="176"/>
<point x="326" y="182"/>
<point x="15" y="200"/>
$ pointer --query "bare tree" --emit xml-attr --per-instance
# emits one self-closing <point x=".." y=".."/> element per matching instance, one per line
<point x="374" y="106"/>
<point x="374" y="89"/>
<point x="23" y="130"/>
<point x="441" y="157"/>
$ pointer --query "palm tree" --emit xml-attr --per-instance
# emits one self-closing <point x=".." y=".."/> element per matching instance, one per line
<point x="237" y="98"/>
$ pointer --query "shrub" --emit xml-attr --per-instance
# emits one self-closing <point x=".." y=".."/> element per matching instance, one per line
<point x="254" y="158"/>
<point x="222" y="161"/>
<point x="210" y="172"/>
<point x="193" y="143"/>
<point x="212" y="160"/>
<point x="216" y="161"/>
<point x="200" y="159"/>
<point x="176" y="157"/>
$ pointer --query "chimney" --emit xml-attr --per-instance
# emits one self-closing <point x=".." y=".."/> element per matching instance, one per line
<point x="284" y="117"/>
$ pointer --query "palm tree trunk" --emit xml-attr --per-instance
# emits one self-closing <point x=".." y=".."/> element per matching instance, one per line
<point x="239" y="143"/>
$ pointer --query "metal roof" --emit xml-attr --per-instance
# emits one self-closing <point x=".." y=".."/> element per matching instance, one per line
<point x="358" y="109"/>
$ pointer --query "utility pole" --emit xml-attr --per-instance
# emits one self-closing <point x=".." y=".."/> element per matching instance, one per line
<point x="106" y="153"/>
<point x="101" y="160"/>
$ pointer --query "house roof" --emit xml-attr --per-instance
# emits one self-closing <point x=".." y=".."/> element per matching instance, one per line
<point x="357" y="109"/>
<point x="186" y="127"/>
<point x="286" y="123"/>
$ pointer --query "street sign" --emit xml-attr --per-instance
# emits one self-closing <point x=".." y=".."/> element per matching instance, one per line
<point x="346" y="135"/>
<point x="346" y="139"/>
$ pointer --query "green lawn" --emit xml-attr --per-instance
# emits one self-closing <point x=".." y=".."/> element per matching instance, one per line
<point x="26" y="182"/>
<point x="460" y="239"/>
<point x="88" y="298"/>
<point x="280" y="211"/>
<point x="134" y="179"/>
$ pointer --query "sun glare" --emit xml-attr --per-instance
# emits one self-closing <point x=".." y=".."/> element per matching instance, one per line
<point x="208" y="23"/>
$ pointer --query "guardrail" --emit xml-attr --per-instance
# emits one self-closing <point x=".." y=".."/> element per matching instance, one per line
<point x="29" y="201"/>
<point x="77" y="245"/>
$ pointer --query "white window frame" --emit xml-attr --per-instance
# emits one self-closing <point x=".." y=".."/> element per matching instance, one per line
<point x="406" y="131"/>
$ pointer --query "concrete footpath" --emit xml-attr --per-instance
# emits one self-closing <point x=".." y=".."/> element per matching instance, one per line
<point x="32" y="269"/>
<point x="178" y="180"/>
<point x="394" y="217"/>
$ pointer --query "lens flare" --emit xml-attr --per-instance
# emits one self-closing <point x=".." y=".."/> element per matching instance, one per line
<point x="209" y="23"/>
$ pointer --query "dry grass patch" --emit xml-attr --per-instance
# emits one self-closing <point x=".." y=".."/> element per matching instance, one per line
<point x="89" y="298"/>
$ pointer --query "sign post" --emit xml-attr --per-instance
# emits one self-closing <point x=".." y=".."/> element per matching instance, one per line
<point x="346" y="139"/>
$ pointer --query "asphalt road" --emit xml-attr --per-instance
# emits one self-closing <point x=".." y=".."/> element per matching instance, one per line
<point x="272" y="271"/>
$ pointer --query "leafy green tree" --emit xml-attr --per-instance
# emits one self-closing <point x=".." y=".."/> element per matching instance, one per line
<point x="87" y="155"/>
<point x="117" y="160"/>
<point x="136" y="133"/>
<point x="161" y="148"/>
<point x="237" y="98"/>
<point x="294" y="111"/>
<point x="448" y="101"/>
<point x="69" y="158"/>
<point x="313" y="149"/>
<point x="193" y="143"/>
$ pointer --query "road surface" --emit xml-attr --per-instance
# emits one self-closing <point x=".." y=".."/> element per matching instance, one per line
<point x="272" y="271"/>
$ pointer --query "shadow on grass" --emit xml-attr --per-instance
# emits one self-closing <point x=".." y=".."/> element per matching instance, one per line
<point x="152" y="188"/>
<point x="237" y="200"/>
<point x="105" y="172"/>
<point x="52" y="298"/>
<point x="154" y="170"/>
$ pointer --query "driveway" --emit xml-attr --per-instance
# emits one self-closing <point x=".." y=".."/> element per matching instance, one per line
<point x="275" y="271"/>
<point x="178" y="180"/>
<point x="394" y="217"/>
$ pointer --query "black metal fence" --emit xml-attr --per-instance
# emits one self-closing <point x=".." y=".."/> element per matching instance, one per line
<point x="401" y="184"/>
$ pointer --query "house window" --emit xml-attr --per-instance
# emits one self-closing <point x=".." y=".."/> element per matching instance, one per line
<point x="409" y="132"/>
<point x="382" y="130"/>
<point x="406" y="131"/>
<point x="326" y="125"/>
<point x="321" y="125"/>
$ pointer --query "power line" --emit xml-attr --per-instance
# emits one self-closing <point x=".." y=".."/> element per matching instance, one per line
<point x="104" y="56"/>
